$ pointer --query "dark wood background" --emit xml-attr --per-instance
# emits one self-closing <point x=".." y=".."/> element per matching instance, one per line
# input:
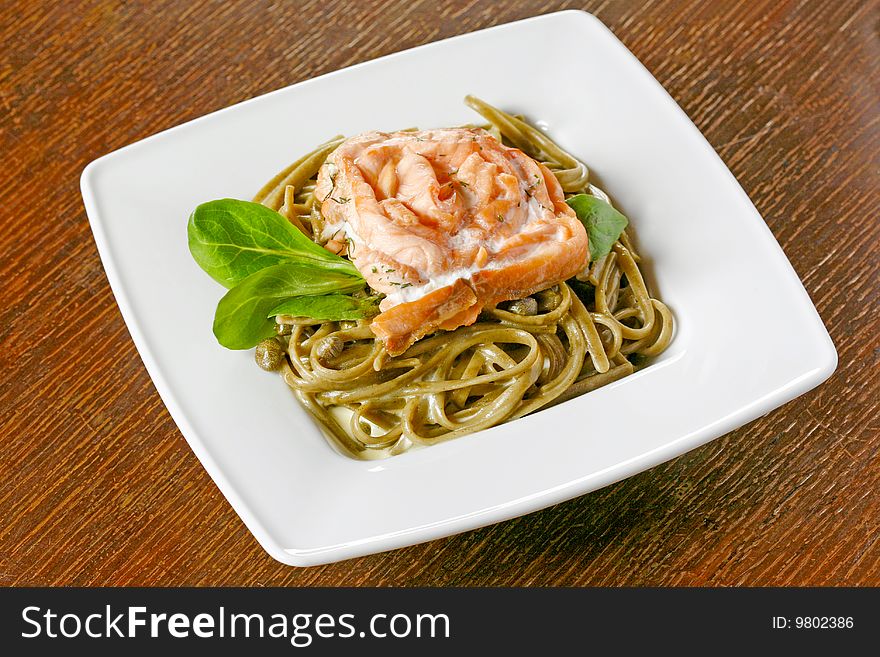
<point x="97" y="486"/>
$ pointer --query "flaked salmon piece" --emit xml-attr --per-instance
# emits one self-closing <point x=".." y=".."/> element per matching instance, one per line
<point x="444" y="223"/>
<point x="405" y="323"/>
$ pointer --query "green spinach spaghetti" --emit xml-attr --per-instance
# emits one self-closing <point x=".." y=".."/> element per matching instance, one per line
<point x="416" y="286"/>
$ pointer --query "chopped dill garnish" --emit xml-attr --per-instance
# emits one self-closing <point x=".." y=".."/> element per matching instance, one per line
<point x="531" y="188"/>
<point x="332" y="180"/>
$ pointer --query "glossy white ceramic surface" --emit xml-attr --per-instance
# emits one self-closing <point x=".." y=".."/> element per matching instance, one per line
<point x="748" y="339"/>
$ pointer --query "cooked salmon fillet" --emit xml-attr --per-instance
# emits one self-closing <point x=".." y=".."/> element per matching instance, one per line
<point x="444" y="223"/>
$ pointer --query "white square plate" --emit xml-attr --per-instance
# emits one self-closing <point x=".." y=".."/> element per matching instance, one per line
<point x="748" y="338"/>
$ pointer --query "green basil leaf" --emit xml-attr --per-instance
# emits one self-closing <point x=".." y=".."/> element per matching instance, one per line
<point x="232" y="239"/>
<point x="329" y="307"/>
<point x="604" y="224"/>
<point x="241" y="320"/>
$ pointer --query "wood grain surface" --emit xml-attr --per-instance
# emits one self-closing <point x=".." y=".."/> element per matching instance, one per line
<point x="98" y="487"/>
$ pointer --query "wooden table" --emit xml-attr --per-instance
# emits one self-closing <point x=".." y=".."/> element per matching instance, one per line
<point x="98" y="487"/>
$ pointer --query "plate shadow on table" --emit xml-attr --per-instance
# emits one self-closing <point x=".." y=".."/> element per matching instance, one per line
<point x="627" y="533"/>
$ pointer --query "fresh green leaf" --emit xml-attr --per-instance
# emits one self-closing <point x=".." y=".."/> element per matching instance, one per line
<point x="232" y="239"/>
<point x="328" y="307"/>
<point x="241" y="320"/>
<point x="604" y="224"/>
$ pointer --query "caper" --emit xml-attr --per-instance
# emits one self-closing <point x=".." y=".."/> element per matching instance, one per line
<point x="328" y="348"/>
<point x="548" y="300"/>
<point x="527" y="306"/>
<point x="269" y="355"/>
